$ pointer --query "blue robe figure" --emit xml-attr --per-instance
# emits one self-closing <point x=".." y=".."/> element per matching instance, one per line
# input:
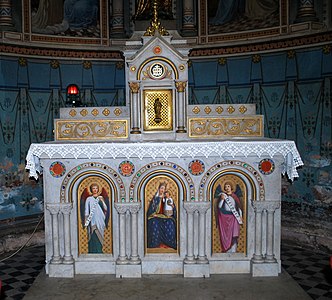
<point x="81" y="13"/>
<point x="227" y="11"/>
<point x="161" y="228"/>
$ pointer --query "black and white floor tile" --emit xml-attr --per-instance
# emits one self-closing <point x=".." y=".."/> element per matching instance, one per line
<point x="309" y="268"/>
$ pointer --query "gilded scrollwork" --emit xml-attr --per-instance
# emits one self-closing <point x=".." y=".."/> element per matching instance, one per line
<point x="236" y="126"/>
<point x="91" y="129"/>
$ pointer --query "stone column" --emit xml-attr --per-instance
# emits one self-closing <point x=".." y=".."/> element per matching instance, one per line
<point x="306" y="11"/>
<point x="54" y="210"/>
<point x="180" y="109"/>
<point x="134" y="258"/>
<point x="188" y="21"/>
<point x="258" y="208"/>
<point x="271" y="208"/>
<point x="135" y="108"/>
<point x="66" y="210"/>
<point x="6" y="19"/>
<point x="190" y="209"/>
<point x="202" y="209"/>
<point x="122" y="209"/>
<point x="117" y="19"/>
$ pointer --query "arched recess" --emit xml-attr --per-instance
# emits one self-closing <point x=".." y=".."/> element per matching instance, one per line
<point x="162" y="166"/>
<point x="228" y="231"/>
<point x="140" y="71"/>
<point x="161" y="230"/>
<point x="75" y="189"/>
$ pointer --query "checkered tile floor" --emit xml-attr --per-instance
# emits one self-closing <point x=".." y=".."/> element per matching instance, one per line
<point x="19" y="272"/>
<point x="310" y="269"/>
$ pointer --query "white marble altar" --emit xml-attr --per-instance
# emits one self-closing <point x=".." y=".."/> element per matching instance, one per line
<point x="195" y="255"/>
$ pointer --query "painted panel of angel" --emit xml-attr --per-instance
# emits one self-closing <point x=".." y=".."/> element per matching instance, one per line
<point x="95" y="217"/>
<point x="229" y="211"/>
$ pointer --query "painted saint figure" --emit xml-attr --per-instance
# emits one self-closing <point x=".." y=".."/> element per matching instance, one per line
<point x="229" y="217"/>
<point x="161" y="228"/>
<point x="95" y="219"/>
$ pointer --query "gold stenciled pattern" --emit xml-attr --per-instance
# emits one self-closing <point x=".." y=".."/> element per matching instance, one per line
<point x="84" y="112"/>
<point x="207" y="109"/>
<point x="216" y="246"/>
<point x="165" y="99"/>
<point x="82" y="232"/>
<point x="95" y="112"/>
<point x="242" y="109"/>
<point x="196" y="110"/>
<point x="230" y="109"/>
<point x="235" y="126"/>
<point x="106" y="112"/>
<point x="219" y="110"/>
<point x="72" y="113"/>
<point x="90" y="129"/>
<point x="117" y="111"/>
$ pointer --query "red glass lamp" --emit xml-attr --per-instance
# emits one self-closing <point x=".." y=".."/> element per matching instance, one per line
<point x="73" y="96"/>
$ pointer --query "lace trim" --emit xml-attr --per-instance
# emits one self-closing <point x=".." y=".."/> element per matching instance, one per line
<point x="166" y="150"/>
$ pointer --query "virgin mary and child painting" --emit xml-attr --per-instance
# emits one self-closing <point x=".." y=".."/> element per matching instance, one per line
<point x="161" y="221"/>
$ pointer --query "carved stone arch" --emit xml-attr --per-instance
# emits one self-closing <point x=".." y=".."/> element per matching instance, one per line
<point x="242" y="169"/>
<point x="161" y="166"/>
<point x="83" y="170"/>
<point x="144" y="71"/>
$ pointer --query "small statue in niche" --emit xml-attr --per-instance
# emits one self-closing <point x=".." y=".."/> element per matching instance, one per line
<point x="157" y="110"/>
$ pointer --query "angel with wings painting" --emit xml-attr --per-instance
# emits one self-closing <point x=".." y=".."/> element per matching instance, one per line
<point x="95" y="210"/>
<point x="228" y="215"/>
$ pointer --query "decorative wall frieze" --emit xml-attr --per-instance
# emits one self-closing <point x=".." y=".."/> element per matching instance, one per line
<point x="46" y="52"/>
<point x="296" y="42"/>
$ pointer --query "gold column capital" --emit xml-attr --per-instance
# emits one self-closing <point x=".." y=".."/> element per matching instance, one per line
<point x="181" y="86"/>
<point x="134" y="87"/>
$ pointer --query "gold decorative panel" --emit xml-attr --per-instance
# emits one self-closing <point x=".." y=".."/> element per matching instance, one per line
<point x="90" y="129"/>
<point x="235" y="238"/>
<point x="226" y="126"/>
<point x="158" y="110"/>
<point x="94" y="237"/>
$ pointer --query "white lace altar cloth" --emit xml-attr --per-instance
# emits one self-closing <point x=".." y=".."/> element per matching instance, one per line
<point x="165" y="150"/>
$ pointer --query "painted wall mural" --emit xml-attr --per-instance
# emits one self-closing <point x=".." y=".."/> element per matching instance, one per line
<point x="240" y="15"/>
<point x="31" y="93"/>
<point x="68" y="17"/>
